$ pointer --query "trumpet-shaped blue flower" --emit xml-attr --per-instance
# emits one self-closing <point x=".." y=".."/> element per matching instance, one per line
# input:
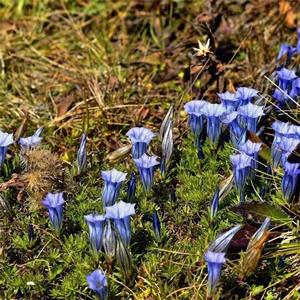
<point x="284" y="129"/>
<point x="252" y="150"/>
<point x="97" y="282"/>
<point x="120" y="213"/>
<point x="215" y="261"/>
<point x="54" y="203"/>
<point x="298" y="43"/>
<point x="109" y="239"/>
<point x="213" y="113"/>
<point x="81" y="154"/>
<point x="296" y="130"/>
<point x="156" y="224"/>
<point x="95" y="223"/>
<point x="194" y="109"/>
<point x="289" y="180"/>
<point x="221" y="243"/>
<point x="245" y="95"/>
<point x="5" y="140"/>
<point x="286" y="49"/>
<point x="167" y="147"/>
<point x="31" y="234"/>
<point x="200" y="152"/>
<point x="285" y="79"/>
<point x="254" y="249"/>
<point x="124" y="259"/>
<point x="113" y="180"/>
<point x="287" y="146"/>
<point x="229" y="100"/>
<point x="250" y="114"/>
<point x="280" y="97"/>
<point x="31" y="141"/>
<point x="131" y="188"/>
<point x="145" y="166"/>
<point x="295" y="91"/>
<point x="241" y="164"/>
<point x="215" y="204"/>
<point x="140" y="137"/>
<point x="237" y="132"/>
<point x="259" y="233"/>
<point x="281" y="129"/>
<point x="276" y="152"/>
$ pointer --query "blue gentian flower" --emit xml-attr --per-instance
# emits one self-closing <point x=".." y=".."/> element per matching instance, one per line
<point x="167" y="121"/>
<point x="140" y="137"/>
<point x="156" y="225"/>
<point x="81" y="153"/>
<point x="98" y="283"/>
<point x="194" y="109"/>
<point x="295" y="91"/>
<point x="221" y="243"/>
<point x="109" y="239"/>
<point x="254" y="249"/>
<point x="284" y="129"/>
<point x="245" y="95"/>
<point x="286" y="49"/>
<point x="289" y="180"/>
<point x="237" y="132"/>
<point x="200" y="152"/>
<point x="276" y="152"/>
<point x="215" y="261"/>
<point x="213" y="113"/>
<point x="252" y="150"/>
<point x="259" y="232"/>
<point x="280" y="97"/>
<point x="250" y="114"/>
<point x="296" y="130"/>
<point x="113" y="181"/>
<point x="124" y="259"/>
<point x="285" y="79"/>
<point x="298" y="43"/>
<point x="30" y="233"/>
<point x="120" y="213"/>
<point x="131" y="188"/>
<point x="31" y="141"/>
<point x="167" y="147"/>
<point x="54" y="203"/>
<point x="241" y="164"/>
<point x="166" y="137"/>
<point x="215" y="204"/>
<point x="95" y="223"/>
<point x="281" y="129"/>
<point x="5" y="140"/>
<point x="145" y="166"/>
<point x="229" y="100"/>
<point x="287" y="146"/>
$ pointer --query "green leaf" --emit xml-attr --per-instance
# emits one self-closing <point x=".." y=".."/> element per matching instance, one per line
<point x="55" y="272"/>
<point x="258" y="211"/>
<point x="256" y="290"/>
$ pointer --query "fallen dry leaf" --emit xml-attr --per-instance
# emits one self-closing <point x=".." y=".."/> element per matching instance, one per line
<point x="290" y="17"/>
<point x="22" y="128"/>
<point x="63" y="104"/>
<point x="230" y="86"/>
